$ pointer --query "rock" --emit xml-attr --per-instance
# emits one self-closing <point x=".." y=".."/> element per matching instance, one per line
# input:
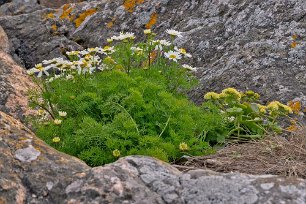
<point x="258" y="45"/>
<point x="17" y="7"/>
<point x="4" y="41"/>
<point x="14" y="84"/>
<point x="4" y="1"/>
<point x="57" y="3"/>
<point x="35" y="38"/>
<point x="32" y="172"/>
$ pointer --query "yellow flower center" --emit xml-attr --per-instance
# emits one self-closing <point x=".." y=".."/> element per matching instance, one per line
<point x="172" y="56"/>
<point x="183" y="51"/>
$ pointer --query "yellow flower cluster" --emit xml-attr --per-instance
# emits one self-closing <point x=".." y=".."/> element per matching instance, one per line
<point x="56" y="139"/>
<point x="183" y="146"/>
<point x="231" y="92"/>
<point x="276" y="105"/>
<point x="262" y="109"/>
<point x="251" y="93"/>
<point x="116" y="153"/>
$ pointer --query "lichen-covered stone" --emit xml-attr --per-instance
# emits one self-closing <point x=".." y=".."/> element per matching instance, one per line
<point x="32" y="172"/>
<point x="246" y="44"/>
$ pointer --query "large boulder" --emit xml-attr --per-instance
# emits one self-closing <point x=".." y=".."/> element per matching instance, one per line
<point x="32" y="172"/>
<point x="248" y="44"/>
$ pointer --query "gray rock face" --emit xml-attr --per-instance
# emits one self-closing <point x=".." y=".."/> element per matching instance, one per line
<point x="247" y="44"/>
<point x="32" y="172"/>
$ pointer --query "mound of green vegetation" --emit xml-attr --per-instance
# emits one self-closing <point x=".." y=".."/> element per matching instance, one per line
<point x="129" y="98"/>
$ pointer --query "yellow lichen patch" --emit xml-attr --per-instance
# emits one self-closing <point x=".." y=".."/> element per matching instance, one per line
<point x="129" y="5"/>
<point x="66" y="12"/>
<point x="152" y="21"/>
<point x="294" y="36"/>
<point x="54" y="27"/>
<point x="78" y="21"/>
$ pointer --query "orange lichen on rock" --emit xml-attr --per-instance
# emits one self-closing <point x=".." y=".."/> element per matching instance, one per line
<point x="66" y="12"/>
<point x="296" y="106"/>
<point x="152" y="21"/>
<point x="293" y="44"/>
<point x="50" y="15"/>
<point x="78" y="21"/>
<point x="129" y="5"/>
<point x="54" y="27"/>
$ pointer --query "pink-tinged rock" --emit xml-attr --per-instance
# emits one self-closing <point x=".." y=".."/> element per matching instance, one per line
<point x="14" y="86"/>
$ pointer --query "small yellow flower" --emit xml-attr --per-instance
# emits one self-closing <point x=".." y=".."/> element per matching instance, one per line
<point x="262" y="109"/>
<point x="109" y="60"/>
<point x="211" y="95"/>
<point x="109" y="40"/>
<point x="62" y="113"/>
<point x="182" y="50"/>
<point x="57" y="122"/>
<point x="183" y="146"/>
<point x="116" y="153"/>
<point x="56" y="139"/>
<point x="147" y="31"/>
<point x="40" y="111"/>
<point x="288" y="109"/>
<point x="108" y="49"/>
<point x="274" y="105"/>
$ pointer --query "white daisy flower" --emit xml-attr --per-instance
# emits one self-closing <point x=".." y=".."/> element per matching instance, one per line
<point x="93" y="49"/>
<point x="174" y="33"/>
<point x="173" y="55"/>
<point x="73" y="53"/>
<point x="164" y="42"/>
<point x="124" y="36"/>
<point x="190" y="68"/>
<point x="137" y="50"/>
<point x="84" y="52"/>
<point x="108" y="50"/>
<point x="183" y="52"/>
<point x="40" y="70"/>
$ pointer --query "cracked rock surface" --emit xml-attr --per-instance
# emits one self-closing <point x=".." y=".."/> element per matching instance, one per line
<point x="32" y="172"/>
<point x="247" y="44"/>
